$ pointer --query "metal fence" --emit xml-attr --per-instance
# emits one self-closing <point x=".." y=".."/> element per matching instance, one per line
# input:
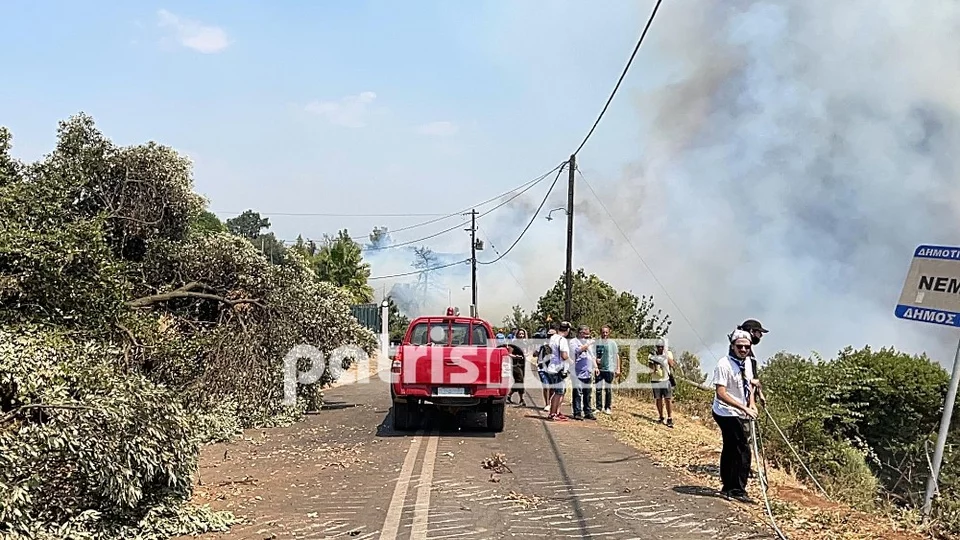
<point x="369" y="315"/>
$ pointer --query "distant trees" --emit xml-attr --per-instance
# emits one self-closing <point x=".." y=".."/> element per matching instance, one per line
<point x="596" y="303"/>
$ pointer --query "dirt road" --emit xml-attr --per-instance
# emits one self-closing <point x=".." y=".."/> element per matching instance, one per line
<point x="343" y="473"/>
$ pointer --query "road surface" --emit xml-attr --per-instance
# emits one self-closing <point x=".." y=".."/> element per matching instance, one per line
<point x="344" y="473"/>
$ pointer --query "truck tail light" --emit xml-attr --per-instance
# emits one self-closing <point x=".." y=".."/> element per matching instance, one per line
<point x="395" y="366"/>
<point x="506" y="367"/>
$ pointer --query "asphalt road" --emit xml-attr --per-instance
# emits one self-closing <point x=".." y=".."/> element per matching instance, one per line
<point x="344" y="473"/>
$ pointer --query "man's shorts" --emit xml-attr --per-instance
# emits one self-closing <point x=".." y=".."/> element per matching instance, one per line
<point x="556" y="383"/>
<point x="662" y="390"/>
<point x="544" y="378"/>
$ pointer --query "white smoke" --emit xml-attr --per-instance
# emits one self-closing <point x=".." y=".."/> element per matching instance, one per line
<point x="806" y="150"/>
<point x="800" y="154"/>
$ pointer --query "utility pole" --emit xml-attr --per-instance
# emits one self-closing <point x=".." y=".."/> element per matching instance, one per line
<point x="568" y="292"/>
<point x="473" y="262"/>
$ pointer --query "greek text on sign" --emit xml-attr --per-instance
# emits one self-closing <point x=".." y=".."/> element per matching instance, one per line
<point x="931" y="292"/>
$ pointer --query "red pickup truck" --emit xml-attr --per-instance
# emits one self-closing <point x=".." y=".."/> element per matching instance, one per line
<point x="452" y="363"/>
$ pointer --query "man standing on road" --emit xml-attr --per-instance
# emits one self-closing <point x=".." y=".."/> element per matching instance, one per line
<point x="734" y="406"/>
<point x="585" y="369"/>
<point x="543" y="355"/>
<point x="756" y="331"/>
<point x="661" y="363"/>
<point x="557" y="370"/>
<point x="608" y="360"/>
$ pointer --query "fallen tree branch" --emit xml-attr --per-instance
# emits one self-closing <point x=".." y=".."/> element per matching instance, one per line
<point x="13" y="414"/>
<point x="188" y="291"/>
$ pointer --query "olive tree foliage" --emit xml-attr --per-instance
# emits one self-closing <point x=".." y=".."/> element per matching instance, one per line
<point x="133" y="328"/>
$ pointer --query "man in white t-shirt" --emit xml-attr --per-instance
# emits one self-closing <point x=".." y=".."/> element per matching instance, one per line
<point x="558" y="369"/>
<point x="734" y="407"/>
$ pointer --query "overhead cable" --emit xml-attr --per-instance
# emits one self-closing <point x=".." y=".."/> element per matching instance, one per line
<point x="533" y="217"/>
<point x="420" y="271"/>
<point x="324" y="214"/>
<point x="467" y="222"/>
<point x="635" y="251"/>
<point x="443" y="217"/>
<point x="514" y="276"/>
<point x="622" y="75"/>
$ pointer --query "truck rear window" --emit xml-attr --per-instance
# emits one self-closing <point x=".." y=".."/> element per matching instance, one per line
<point x="454" y="334"/>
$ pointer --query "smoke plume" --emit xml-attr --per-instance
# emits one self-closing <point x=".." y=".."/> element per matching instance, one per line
<point x="789" y="172"/>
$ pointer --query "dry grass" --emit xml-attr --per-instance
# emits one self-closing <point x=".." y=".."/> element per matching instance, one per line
<point x="693" y="446"/>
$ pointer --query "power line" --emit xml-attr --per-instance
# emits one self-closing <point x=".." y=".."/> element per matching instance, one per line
<point x="514" y="276"/>
<point x="420" y="271"/>
<point x="533" y="217"/>
<point x="629" y="243"/>
<point x="322" y="214"/>
<point x="461" y="212"/>
<point x="465" y="223"/>
<point x="622" y="75"/>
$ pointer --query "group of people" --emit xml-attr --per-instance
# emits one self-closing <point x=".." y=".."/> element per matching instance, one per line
<point x="595" y="363"/>
<point x="591" y="365"/>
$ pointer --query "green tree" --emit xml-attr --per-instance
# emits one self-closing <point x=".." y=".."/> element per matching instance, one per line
<point x="340" y="261"/>
<point x="596" y="303"/>
<point x="519" y="319"/>
<point x="906" y="394"/>
<point x="690" y="367"/>
<point x="117" y="318"/>
<point x="396" y="321"/>
<point x="306" y="248"/>
<point x="207" y="222"/>
<point x="248" y="224"/>
<point x="272" y="248"/>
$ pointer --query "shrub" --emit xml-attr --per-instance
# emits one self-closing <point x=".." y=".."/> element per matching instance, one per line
<point x="84" y="445"/>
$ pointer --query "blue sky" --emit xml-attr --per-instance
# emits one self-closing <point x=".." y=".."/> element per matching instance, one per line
<point x="312" y="107"/>
<point x="374" y="106"/>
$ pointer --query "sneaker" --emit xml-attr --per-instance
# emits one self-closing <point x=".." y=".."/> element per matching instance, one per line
<point x="607" y="411"/>
<point x="577" y="416"/>
<point x="661" y="421"/>
<point x="590" y="416"/>
<point x="670" y="422"/>
<point x="557" y="418"/>
<point x="524" y="403"/>
<point x="546" y="408"/>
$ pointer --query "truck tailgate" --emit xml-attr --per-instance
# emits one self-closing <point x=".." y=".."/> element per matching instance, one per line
<point x="454" y="366"/>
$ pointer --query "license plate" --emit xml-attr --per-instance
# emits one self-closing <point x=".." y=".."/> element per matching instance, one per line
<point x="451" y="391"/>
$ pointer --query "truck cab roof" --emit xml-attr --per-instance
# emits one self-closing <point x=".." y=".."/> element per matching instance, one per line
<point x="449" y="331"/>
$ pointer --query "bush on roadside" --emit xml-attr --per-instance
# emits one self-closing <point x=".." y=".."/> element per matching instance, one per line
<point x="82" y="444"/>
<point x="133" y="329"/>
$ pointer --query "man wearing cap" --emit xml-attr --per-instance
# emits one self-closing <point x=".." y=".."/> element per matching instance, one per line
<point x="756" y="331"/>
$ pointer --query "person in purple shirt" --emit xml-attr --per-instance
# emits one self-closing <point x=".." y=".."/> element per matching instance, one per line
<point x="585" y="369"/>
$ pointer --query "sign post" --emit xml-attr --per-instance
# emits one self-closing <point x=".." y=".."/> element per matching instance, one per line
<point x="931" y="294"/>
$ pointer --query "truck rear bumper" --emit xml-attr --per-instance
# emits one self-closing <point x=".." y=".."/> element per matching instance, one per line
<point x="475" y="400"/>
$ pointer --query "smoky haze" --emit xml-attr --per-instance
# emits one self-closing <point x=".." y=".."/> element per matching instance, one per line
<point x="791" y="169"/>
<point x="800" y="153"/>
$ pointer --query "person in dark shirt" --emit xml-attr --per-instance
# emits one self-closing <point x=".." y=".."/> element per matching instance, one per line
<point x="756" y="331"/>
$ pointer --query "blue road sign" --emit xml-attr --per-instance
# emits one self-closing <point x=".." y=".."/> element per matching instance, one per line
<point x="931" y="292"/>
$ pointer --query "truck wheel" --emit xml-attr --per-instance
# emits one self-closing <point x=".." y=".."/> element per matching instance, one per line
<point x="401" y="416"/>
<point x="495" y="417"/>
